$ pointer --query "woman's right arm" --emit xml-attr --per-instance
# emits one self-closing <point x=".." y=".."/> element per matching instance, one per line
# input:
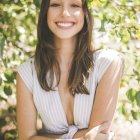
<point x="26" y="113"/>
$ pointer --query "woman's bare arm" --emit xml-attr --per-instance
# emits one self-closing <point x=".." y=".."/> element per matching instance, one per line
<point x="26" y="114"/>
<point x="106" y="97"/>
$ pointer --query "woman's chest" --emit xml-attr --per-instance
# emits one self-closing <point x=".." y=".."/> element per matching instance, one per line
<point x="60" y="108"/>
<point x="67" y="101"/>
<point x="57" y="111"/>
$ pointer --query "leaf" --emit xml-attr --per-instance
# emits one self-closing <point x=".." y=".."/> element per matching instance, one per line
<point x="138" y="98"/>
<point x="8" y="90"/>
<point x="131" y="94"/>
<point x="122" y="109"/>
<point x="135" y="115"/>
<point x="3" y="99"/>
<point x="2" y="41"/>
<point x="0" y="81"/>
<point x="91" y="4"/>
<point x="123" y="2"/>
<point x="37" y="3"/>
<point x="8" y="136"/>
<point x="102" y="28"/>
<point x="125" y="36"/>
<point x="11" y="109"/>
<point x="2" y="122"/>
<point x="136" y="72"/>
<point x="10" y="76"/>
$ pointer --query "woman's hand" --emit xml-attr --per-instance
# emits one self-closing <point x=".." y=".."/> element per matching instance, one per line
<point x="96" y="133"/>
<point x="81" y="138"/>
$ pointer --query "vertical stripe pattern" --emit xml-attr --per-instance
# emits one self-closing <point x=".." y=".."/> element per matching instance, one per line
<point x="48" y="104"/>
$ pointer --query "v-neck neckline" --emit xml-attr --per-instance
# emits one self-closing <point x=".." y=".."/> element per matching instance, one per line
<point x="61" y="105"/>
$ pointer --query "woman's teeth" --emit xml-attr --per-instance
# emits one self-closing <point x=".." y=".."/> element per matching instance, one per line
<point x="65" y="25"/>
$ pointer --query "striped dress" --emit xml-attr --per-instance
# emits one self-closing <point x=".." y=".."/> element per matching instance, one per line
<point x="48" y="104"/>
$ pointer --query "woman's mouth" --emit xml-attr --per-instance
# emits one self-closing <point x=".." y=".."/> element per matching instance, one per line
<point x="65" y="25"/>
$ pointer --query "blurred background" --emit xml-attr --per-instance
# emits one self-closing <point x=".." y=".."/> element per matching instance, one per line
<point x="116" y="26"/>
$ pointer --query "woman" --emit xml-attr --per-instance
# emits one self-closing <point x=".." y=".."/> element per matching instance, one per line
<point x="71" y="86"/>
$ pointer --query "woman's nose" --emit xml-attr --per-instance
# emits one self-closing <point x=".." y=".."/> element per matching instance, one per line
<point x="65" y="12"/>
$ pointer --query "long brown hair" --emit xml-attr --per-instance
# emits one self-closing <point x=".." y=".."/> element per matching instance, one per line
<point x="45" y="53"/>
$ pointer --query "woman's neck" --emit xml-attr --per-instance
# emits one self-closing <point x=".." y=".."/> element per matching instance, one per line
<point x="65" y="50"/>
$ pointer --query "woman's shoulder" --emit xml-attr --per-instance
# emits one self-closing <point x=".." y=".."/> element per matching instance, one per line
<point x="26" y="67"/>
<point x="107" y="55"/>
<point x="104" y="58"/>
<point x="27" y="63"/>
<point x="25" y="70"/>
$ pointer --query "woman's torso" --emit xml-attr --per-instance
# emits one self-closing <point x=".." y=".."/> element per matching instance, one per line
<point x="59" y="109"/>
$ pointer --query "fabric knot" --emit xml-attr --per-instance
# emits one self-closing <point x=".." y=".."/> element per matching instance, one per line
<point x="72" y="129"/>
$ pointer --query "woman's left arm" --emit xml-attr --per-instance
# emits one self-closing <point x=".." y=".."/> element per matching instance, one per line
<point x="106" y="97"/>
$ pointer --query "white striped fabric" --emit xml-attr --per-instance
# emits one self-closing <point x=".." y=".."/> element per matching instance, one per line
<point x="49" y="105"/>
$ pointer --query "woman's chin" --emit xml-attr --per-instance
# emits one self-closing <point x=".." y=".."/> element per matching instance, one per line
<point x="65" y="36"/>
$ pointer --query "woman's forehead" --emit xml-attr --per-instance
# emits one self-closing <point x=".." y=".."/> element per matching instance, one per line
<point x="79" y="1"/>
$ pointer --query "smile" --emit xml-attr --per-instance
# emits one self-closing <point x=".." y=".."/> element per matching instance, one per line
<point x="65" y="25"/>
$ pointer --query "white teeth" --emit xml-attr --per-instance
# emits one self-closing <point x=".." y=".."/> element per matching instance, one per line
<point x="62" y="24"/>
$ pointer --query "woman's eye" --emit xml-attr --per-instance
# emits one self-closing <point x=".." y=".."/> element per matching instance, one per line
<point x="55" y="5"/>
<point x="76" y="5"/>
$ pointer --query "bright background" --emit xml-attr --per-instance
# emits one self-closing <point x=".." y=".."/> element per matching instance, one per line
<point x="116" y="25"/>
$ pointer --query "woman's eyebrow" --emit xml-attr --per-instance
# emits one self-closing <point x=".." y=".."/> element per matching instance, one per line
<point x="52" y="1"/>
<point x="79" y="2"/>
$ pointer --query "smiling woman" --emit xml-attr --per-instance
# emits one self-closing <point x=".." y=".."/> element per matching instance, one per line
<point x="65" y="20"/>
<point x="73" y="87"/>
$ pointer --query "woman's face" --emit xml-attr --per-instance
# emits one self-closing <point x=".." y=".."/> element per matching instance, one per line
<point x="65" y="18"/>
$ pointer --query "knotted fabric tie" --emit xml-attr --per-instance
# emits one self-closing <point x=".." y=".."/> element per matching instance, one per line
<point x="72" y="129"/>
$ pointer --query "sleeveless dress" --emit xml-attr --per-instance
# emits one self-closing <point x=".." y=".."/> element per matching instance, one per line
<point x="48" y="104"/>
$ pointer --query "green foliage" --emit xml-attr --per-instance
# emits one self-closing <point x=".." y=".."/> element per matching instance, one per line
<point x="17" y="43"/>
<point x="131" y="94"/>
<point x="130" y="108"/>
<point x="121" y="17"/>
<point x="37" y="3"/>
<point x="2" y="40"/>
<point x="118" y="19"/>
<point x="138" y="98"/>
